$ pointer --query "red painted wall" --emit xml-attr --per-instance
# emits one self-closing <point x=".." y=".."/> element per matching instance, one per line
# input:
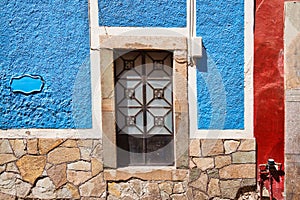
<point x="269" y="82"/>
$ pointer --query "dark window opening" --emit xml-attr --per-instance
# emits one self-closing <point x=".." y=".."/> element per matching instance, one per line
<point x="144" y="108"/>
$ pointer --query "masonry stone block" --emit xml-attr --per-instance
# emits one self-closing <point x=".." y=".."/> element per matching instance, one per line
<point x="195" y="148"/>
<point x="221" y="161"/>
<point x="230" y="146"/>
<point x="211" y="147"/>
<point x="31" y="167"/>
<point x="22" y="188"/>
<point x="204" y="163"/>
<point x="97" y="166"/>
<point x="229" y="188"/>
<point x="69" y="143"/>
<point x="45" y="144"/>
<point x="247" y="145"/>
<point x="197" y="194"/>
<point x="32" y="146"/>
<point x="6" y="158"/>
<point x="80" y="166"/>
<point x="213" y="188"/>
<point x="244" y="157"/>
<point x="166" y="187"/>
<point x="12" y="167"/>
<point x="201" y="182"/>
<point x="8" y="182"/>
<point x="237" y="171"/>
<point x="58" y="174"/>
<point x="44" y="189"/>
<point x="18" y="147"/>
<point x="78" y="177"/>
<point x="94" y="187"/>
<point x="5" y="147"/>
<point x="63" y="155"/>
<point x="178" y="188"/>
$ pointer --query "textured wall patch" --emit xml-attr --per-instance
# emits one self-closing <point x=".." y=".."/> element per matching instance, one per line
<point x="27" y="84"/>
<point x="220" y="75"/>
<point x="51" y="39"/>
<point x="142" y="13"/>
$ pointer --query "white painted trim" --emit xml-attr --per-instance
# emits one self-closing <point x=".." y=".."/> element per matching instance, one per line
<point x="94" y="23"/>
<point x="192" y="98"/>
<point x="248" y="68"/>
<point x="248" y="91"/>
<point x="189" y="27"/>
<point x="95" y="131"/>
<point x="143" y="31"/>
<point x="95" y="69"/>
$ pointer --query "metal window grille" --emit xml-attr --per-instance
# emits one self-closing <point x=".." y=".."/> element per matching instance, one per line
<point x="144" y="107"/>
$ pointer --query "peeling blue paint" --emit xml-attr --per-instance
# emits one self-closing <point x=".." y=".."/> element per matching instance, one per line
<point x="49" y="38"/>
<point x="142" y="13"/>
<point x="220" y="88"/>
<point x="27" y="84"/>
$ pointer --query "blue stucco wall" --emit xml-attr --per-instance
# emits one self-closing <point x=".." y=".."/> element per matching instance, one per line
<point x="50" y="39"/>
<point x="220" y="75"/>
<point x="142" y="13"/>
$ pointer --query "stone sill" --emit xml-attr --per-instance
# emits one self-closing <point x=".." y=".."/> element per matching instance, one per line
<point x="146" y="173"/>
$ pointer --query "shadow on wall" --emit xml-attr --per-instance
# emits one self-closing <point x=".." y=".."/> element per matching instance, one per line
<point x="247" y="192"/>
<point x="201" y="63"/>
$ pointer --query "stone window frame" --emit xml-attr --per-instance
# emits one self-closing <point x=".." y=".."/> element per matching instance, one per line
<point x="176" y="44"/>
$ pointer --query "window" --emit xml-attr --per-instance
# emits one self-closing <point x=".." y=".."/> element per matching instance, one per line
<point x="144" y="101"/>
<point x="144" y="107"/>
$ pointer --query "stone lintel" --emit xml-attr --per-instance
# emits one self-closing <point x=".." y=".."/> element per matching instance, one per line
<point x="143" y="42"/>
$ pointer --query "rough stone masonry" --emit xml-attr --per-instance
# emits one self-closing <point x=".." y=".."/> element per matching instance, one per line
<point x="73" y="169"/>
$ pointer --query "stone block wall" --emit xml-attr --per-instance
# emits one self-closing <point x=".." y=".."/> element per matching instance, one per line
<point x="51" y="169"/>
<point x="152" y="190"/>
<point x="73" y="169"/>
<point x="222" y="168"/>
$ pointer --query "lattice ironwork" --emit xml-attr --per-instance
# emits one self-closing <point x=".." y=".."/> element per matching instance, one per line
<point x="144" y="105"/>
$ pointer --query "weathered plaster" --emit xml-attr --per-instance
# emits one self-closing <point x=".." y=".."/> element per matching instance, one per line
<point x="268" y="84"/>
<point x="292" y="99"/>
<point x="268" y="81"/>
<point x="292" y="45"/>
